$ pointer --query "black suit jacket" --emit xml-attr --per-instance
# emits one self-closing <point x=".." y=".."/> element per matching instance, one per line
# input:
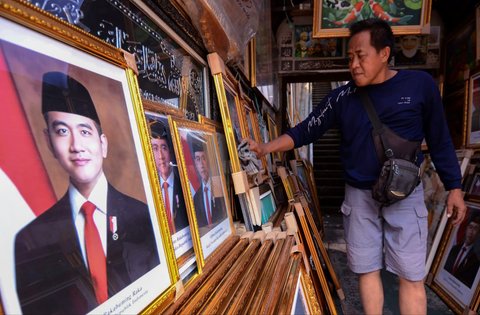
<point x="219" y="210"/>
<point x="50" y="272"/>
<point x="180" y="217"/>
<point x="467" y="270"/>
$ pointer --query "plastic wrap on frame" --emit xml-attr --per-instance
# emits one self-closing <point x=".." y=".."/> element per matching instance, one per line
<point x="226" y="26"/>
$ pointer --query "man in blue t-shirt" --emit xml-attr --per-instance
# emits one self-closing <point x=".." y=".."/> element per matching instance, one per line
<point x="409" y="103"/>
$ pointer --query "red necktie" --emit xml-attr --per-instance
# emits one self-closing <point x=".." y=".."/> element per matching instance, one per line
<point x="95" y="254"/>
<point x="459" y="260"/>
<point x="166" y="198"/>
<point x="207" y="201"/>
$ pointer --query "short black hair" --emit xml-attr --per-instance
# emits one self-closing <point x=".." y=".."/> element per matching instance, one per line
<point x="158" y="129"/>
<point x="381" y="34"/>
<point x="476" y="219"/>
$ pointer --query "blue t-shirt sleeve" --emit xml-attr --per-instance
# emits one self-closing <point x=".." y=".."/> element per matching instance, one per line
<point x="437" y="136"/>
<point x="315" y="125"/>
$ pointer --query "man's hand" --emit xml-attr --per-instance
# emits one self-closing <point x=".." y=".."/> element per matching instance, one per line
<point x="257" y="148"/>
<point x="456" y="206"/>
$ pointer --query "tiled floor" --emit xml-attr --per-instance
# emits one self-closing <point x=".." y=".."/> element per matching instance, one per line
<point x="335" y="244"/>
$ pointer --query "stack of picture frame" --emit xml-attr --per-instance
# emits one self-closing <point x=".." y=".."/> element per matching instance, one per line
<point x="323" y="275"/>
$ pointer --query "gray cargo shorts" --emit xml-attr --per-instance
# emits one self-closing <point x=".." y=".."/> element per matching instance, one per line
<point x="397" y="233"/>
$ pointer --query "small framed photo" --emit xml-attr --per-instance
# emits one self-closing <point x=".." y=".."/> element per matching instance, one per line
<point x="455" y="270"/>
<point x="204" y="178"/>
<point x="473" y="122"/>
<point x="85" y="234"/>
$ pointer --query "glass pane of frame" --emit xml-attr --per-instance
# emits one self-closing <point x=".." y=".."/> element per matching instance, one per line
<point x="77" y="115"/>
<point x="204" y="178"/>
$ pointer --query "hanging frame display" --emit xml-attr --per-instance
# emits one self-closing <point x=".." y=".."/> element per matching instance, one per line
<point x="332" y="20"/>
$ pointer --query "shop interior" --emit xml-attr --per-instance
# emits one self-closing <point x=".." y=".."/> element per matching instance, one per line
<point x="174" y="87"/>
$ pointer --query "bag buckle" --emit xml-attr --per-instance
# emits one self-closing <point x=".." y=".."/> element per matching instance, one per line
<point x="389" y="153"/>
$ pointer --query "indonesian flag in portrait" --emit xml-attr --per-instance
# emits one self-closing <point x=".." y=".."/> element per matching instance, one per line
<point x="19" y="157"/>
<point x="190" y="164"/>
<point x="25" y="188"/>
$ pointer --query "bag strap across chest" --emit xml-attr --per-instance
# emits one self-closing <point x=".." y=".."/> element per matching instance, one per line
<point x="387" y="143"/>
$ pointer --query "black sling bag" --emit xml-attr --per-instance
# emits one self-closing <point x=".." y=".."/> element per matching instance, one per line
<point x="399" y="174"/>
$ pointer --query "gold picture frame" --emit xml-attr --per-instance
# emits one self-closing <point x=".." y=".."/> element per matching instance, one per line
<point x="458" y="282"/>
<point x="40" y="49"/>
<point x="167" y="171"/>
<point x="331" y="21"/>
<point x="209" y="209"/>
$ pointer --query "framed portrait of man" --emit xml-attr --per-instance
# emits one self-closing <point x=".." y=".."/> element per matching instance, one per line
<point x="172" y="192"/>
<point x="84" y="236"/>
<point x="204" y="177"/>
<point x="455" y="270"/>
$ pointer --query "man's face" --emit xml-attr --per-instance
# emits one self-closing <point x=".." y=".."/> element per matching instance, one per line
<point x="75" y="142"/>
<point x="410" y="42"/>
<point x="367" y="66"/>
<point x="161" y="153"/>
<point x="472" y="232"/>
<point x="201" y="164"/>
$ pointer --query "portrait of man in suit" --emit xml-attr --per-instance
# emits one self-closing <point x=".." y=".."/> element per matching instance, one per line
<point x="209" y="207"/>
<point x="169" y="177"/>
<point x="462" y="261"/>
<point x="95" y="240"/>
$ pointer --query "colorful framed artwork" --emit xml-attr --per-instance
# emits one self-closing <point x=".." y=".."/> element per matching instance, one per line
<point x="170" y="70"/>
<point x="332" y="18"/>
<point x="86" y="236"/>
<point x="455" y="269"/>
<point x="473" y="121"/>
<point x="170" y="188"/>
<point x="204" y="178"/>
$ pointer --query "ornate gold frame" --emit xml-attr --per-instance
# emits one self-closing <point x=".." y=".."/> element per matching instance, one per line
<point x="209" y="131"/>
<point x="422" y="28"/>
<point x="166" y="110"/>
<point x="436" y="286"/>
<point x="34" y="19"/>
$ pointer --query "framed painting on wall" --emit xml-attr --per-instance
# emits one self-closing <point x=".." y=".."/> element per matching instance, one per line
<point x="332" y="19"/>
<point x="75" y="108"/>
